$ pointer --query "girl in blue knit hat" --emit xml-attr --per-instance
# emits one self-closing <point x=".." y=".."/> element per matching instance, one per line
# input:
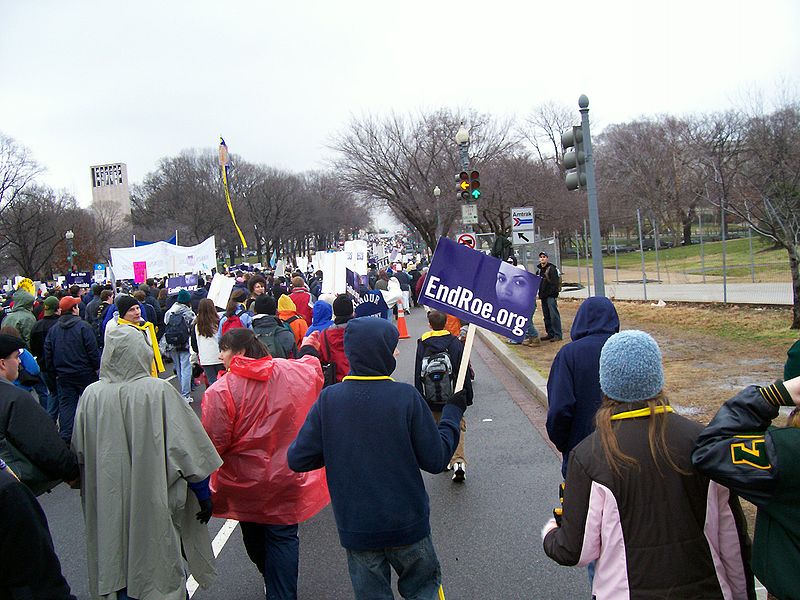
<point x="632" y="500"/>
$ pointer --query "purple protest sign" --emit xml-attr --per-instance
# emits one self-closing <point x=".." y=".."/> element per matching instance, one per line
<point x="480" y="289"/>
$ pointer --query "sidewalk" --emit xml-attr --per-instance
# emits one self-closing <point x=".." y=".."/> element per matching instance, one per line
<point x="779" y="293"/>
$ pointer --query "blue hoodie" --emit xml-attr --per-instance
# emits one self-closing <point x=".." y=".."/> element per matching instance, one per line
<point x="321" y="317"/>
<point x="373" y="435"/>
<point x="573" y="387"/>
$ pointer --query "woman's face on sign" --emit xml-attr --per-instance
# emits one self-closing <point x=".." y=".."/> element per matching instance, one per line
<point x="513" y="288"/>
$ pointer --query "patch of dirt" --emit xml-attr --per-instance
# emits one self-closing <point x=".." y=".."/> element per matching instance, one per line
<point x="710" y="352"/>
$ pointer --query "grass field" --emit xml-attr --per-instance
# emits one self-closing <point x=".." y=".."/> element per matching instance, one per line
<point x="686" y="259"/>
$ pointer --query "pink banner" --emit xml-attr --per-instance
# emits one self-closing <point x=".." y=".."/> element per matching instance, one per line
<point x="140" y="271"/>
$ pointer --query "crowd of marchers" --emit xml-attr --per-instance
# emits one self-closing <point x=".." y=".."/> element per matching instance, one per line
<point x="299" y="410"/>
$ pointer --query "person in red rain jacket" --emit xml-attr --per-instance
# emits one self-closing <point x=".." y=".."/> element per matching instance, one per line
<point x="328" y="345"/>
<point x="252" y="414"/>
<point x="302" y="299"/>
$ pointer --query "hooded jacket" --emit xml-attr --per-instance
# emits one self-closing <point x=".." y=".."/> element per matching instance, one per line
<point x="303" y="301"/>
<point x="71" y="348"/>
<point x="21" y="316"/>
<point x="373" y="435"/>
<point x="323" y="317"/>
<point x="252" y="414"/>
<point x="139" y="444"/>
<point x="266" y="324"/>
<point x="573" y="387"/>
<point x="287" y="311"/>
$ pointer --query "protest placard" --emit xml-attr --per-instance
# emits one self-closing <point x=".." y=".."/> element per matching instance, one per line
<point x="480" y="289"/>
<point x="220" y="290"/>
<point x="181" y="282"/>
<point x="80" y="278"/>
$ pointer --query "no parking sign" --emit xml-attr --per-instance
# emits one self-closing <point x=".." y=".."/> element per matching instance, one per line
<point x="467" y="239"/>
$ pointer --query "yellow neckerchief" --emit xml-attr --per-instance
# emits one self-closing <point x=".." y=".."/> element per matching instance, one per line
<point x="436" y="333"/>
<point x="157" y="365"/>
<point x="366" y="378"/>
<point x="641" y="412"/>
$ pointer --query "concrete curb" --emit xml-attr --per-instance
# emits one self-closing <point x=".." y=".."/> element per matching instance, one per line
<point x="527" y="376"/>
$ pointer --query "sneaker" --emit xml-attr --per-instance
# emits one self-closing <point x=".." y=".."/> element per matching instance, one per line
<point x="530" y="342"/>
<point x="459" y="472"/>
<point x="513" y="342"/>
<point x="546" y="338"/>
<point x="555" y="339"/>
<point x="188" y="399"/>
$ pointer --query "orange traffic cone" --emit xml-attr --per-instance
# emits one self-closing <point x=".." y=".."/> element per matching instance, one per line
<point x="401" y="322"/>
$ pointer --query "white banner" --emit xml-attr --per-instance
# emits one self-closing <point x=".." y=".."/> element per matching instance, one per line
<point x="356" y="251"/>
<point x="334" y="272"/>
<point x="161" y="258"/>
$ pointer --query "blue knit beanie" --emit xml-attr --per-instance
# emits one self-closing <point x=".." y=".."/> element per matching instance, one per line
<point x="630" y="367"/>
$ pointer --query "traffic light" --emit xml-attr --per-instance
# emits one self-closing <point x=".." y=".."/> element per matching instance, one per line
<point x="474" y="185"/>
<point x="574" y="158"/>
<point x="462" y="186"/>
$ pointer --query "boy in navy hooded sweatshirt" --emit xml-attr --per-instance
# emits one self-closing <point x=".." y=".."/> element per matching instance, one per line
<point x="373" y="435"/>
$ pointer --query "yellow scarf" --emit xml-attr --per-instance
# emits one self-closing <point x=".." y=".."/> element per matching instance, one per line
<point x="157" y="365"/>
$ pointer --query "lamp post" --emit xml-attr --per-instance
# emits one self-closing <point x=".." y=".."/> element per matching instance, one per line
<point x="462" y="139"/>
<point x="436" y="193"/>
<point x="70" y="253"/>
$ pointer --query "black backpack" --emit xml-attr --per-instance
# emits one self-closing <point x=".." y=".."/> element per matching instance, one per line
<point x="177" y="332"/>
<point x="437" y="379"/>
<point x="269" y="337"/>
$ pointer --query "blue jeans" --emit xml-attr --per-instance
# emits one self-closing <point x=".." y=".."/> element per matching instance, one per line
<point x="418" y="571"/>
<point x="70" y="389"/>
<point x="212" y="371"/>
<point x="183" y="368"/>
<point x="532" y="332"/>
<point x="48" y="395"/>
<point x="552" y="318"/>
<point x="275" y="550"/>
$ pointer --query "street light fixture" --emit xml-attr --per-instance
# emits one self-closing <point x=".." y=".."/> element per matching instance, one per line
<point x="69" y="235"/>
<point x="436" y="193"/>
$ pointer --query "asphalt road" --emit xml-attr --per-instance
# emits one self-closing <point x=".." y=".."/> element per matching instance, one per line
<point x="486" y="531"/>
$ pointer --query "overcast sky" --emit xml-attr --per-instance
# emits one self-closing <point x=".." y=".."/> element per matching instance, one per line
<point x="87" y="82"/>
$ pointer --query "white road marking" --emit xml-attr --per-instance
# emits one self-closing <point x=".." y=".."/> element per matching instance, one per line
<point x="170" y="378"/>
<point x="219" y="542"/>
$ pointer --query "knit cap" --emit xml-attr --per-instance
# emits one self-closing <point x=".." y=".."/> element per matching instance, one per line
<point x="342" y="306"/>
<point x="125" y="303"/>
<point x="265" y="305"/>
<point x="184" y="297"/>
<point x="630" y="367"/>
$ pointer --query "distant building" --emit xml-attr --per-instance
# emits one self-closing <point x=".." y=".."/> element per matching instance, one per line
<point x="110" y="184"/>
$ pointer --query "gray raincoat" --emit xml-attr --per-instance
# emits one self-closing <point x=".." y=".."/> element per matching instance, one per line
<point x="138" y="443"/>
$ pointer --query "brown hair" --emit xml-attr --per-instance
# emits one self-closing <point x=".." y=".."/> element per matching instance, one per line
<point x="656" y="436"/>
<point x="9" y="330"/>
<point x="237" y="297"/>
<point x="207" y="318"/>
<point x="251" y="283"/>
<point x="243" y="339"/>
<point x="139" y="295"/>
<point x="437" y="319"/>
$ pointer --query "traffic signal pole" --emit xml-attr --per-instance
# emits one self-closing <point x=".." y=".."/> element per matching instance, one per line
<point x="591" y="189"/>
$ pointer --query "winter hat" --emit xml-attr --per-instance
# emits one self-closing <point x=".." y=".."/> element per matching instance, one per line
<point x="342" y="306"/>
<point x="50" y="305"/>
<point x="630" y="367"/>
<point x="265" y="305"/>
<point x="184" y="297"/>
<point x="124" y="304"/>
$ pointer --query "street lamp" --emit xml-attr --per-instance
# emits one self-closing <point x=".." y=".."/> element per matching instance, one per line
<point x="70" y="253"/>
<point x="436" y="193"/>
<point x="462" y="139"/>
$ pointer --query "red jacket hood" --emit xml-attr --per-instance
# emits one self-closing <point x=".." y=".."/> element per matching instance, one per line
<point x="259" y="369"/>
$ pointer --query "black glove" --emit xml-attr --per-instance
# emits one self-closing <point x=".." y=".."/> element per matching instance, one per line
<point x="205" y="511"/>
<point x="459" y="399"/>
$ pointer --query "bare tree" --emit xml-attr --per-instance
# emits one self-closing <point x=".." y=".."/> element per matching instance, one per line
<point x="543" y="127"/>
<point x="17" y="170"/>
<point x="399" y="160"/>
<point x="112" y="228"/>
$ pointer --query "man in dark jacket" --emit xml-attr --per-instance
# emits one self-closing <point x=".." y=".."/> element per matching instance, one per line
<point x="71" y="349"/>
<point x="548" y="292"/>
<point x="432" y="342"/>
<point x="25" y="425"/>
<point x="198" y="294"/>
<point x="270" y="330"/>
<point x="152" y="301"/>
<point x="30" y="567"/>
<point x="573" y="387"/>
<point x="48" y="377"/>
<point x="93" y="305"/>
<point x="378" y="495"/>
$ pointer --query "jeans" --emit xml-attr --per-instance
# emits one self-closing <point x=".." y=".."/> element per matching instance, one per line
<point x="47" y="392"/>
<point x="183" y="368"/>
<point x="212" y="371"/>
<point x="418" y="571"/>
<point x="532" y="332"/>
<point x="70" y="389"/>
<point x="275" y="550"/>
<point x="552" y="318"/>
